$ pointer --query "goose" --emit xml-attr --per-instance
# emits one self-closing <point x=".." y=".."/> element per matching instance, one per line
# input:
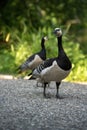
<point x="54" y="69"/>
<point x="34" y="60"/>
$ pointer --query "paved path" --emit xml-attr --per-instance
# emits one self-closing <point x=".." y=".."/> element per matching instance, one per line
<point x="22" y="106"/>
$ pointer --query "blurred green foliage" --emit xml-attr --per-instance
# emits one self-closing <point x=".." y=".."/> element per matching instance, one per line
<point x="23" y="23"/>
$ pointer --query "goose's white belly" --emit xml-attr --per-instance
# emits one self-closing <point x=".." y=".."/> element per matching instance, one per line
<point x="54" y="73"/>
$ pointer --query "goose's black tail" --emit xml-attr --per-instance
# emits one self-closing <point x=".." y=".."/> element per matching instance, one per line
<point x="30" y="76"/>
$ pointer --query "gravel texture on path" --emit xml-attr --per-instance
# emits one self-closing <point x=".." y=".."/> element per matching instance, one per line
<point x="23" y="107"/>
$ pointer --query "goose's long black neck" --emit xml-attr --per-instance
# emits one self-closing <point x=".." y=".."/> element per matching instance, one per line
<point x="42" y="44"/>
<point x="42" y="53"/>
<point x="60" y="47"/>
<point x="63" y="61"/>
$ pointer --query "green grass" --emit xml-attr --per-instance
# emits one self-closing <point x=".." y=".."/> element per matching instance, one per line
<point x="23" y="44"/>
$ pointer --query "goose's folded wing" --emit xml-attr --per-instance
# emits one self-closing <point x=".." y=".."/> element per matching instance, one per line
<point x="25" y="65"/>
<point x="47" y="63"/>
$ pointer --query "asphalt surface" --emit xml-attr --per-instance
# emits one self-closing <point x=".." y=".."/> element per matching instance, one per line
<point x="23" y="107"/>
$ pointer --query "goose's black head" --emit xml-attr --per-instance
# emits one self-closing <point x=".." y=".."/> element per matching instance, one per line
<point x="57" y="32"/>
<point x="43" y="41"/>
<point x="44" y="38"/>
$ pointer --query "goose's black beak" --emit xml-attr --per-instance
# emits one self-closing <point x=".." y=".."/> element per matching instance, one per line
<point x="54" y="32"/>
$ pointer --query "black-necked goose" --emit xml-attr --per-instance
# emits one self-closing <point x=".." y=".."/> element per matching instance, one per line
<point x="54" y="69"/>
<point x="34" y="60"/>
